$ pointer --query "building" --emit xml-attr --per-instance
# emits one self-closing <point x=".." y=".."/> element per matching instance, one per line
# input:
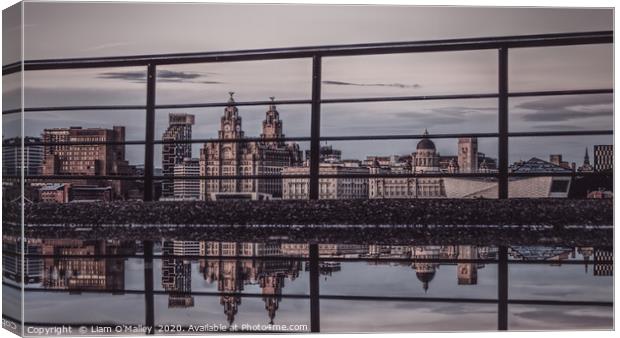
<point x="87" y="159"/>
<point x="83" y="274"/>
<point x="518" y="187"/>
<point x="11" y="156"/>
<point x="467" y="272"/>
<point x="329" y="188"/>
<point x="32" y="269"/>
<point x="239" y="196"/>
<point x="269" y="156"/>
<point x="557" y="160"/>
<point x="586" y="167"/>
<point x="176" y="272"/>
<point x="187" y="188"/>
<point x="179" y="129"/>
<point x="424" y="160"/>
<point x="89" y="193"/>
<point x="66" y="192"/>
<point x="603" y="262"/>
<point x="325" y="249"/>
<point x="54" y="193"/>
<point x="468" y="154"/>
<point x="603" y="157"/>
<point x="326" y="154"/>
<point x="424" y="268"/>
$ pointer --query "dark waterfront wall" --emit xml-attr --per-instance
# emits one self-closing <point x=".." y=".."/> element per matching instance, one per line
<point x="555" y="212"/>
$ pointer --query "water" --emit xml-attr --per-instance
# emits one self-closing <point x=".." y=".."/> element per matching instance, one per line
<point x="362" y="288"/>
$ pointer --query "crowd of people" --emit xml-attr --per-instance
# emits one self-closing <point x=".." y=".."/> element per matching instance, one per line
<point x="555" y="212"/>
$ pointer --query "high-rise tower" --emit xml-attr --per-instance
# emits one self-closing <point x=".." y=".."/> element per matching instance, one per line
<point x="179" y="129"/>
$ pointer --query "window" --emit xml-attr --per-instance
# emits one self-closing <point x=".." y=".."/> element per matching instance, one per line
<point x="559" y="186"/>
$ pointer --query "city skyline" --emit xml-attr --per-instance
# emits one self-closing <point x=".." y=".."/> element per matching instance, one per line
<point x="215" y="167"/>
<point x="445" y="146"/>
<point x="390" y="75"/>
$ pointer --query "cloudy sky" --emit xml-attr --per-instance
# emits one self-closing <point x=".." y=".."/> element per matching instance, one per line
<point x="64" y="30"/>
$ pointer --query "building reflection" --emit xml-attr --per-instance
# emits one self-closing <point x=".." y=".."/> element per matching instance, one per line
<point x="176" y="272"/>
<point x="84" y="273"/>
<point x="12" y="260"/>
<point x="236" y="269"/>
<point x="233" y="266"/>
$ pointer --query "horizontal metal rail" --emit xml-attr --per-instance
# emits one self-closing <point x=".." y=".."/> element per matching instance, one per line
<point x="541" y="40"/>
<point x="302" y="176"/>
<point x="322" y="138"/>
<point x="330" y="297"/>
<point x="323" y="101"/>
<point x="321" y="258"/>
<point x="347" y="297"/>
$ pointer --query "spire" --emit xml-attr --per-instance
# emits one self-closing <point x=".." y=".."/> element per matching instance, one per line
<point x="272" y="106"/>
<point x="425" y="132"/>
<point x="586" y="158"/>
<point x="231" y="99"/>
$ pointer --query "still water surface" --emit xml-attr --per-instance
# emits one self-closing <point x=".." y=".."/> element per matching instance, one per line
<point x="391" y="288"/>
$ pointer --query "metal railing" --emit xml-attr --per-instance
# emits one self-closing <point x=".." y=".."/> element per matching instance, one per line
<point x="151" y="62"/>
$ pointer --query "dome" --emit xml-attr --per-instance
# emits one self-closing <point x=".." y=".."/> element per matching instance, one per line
<point x="425" y="143"/>
<point x="425" y="278"/>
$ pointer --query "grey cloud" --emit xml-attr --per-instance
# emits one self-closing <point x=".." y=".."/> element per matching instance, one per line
<point x="162" y="76"/>
<point x="139" y="77"/>
<point x="443" y="115"/>
<point x="558" y="127"/>
<point x="395" y="85"/>
<point x="566" y="108"/>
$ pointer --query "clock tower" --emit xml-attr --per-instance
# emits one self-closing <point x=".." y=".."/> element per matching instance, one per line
<point x="272" y="125"/>
<point x="230" y="124"/>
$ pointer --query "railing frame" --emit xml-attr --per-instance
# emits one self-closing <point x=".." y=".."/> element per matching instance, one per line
<point x="316" y="54"/>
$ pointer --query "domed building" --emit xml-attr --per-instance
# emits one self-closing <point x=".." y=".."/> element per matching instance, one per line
<point x="425" y="271"/>
<point x="424" y="160"/>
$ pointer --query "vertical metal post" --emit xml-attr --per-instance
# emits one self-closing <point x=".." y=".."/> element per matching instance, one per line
<point x="149" y="147"/>
<point x="503" y="124"/>
<point x="502" y="289"/>
<point x="149" y="300"/>
<point x="315" y="315"/>
<point x="315" y="128"/>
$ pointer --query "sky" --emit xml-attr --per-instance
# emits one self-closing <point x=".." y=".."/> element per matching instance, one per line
<point x="66" y="30"/>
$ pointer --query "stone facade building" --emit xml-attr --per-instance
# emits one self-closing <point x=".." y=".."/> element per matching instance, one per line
<point x="234" y="158"/>
<point x="468" y="154"/>
<point x="329" y="188"/>
<point x="424" y="160"/>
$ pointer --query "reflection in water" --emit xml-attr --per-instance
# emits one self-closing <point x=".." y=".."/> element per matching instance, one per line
<point x="84" y="274"/>
<point x="193" y="271"/>
<point x="231" y="275"/>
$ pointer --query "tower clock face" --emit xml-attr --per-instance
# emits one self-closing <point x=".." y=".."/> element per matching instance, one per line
<point x="238" y="128"/>
<point x="226" y="127"/>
